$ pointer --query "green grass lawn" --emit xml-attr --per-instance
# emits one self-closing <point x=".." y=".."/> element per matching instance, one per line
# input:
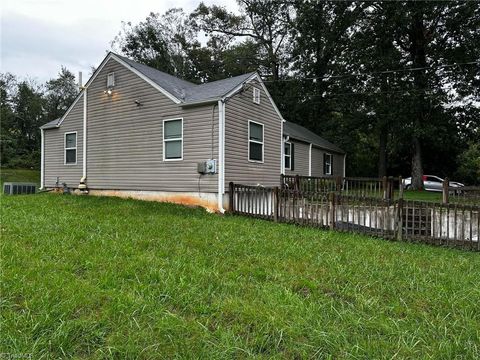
<point x="422" y="195"/>
<point x="19" y="175"/>
<point x="91" y="277"/>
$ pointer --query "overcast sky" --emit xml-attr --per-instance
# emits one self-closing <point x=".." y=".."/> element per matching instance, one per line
<point x="38" y="36"/>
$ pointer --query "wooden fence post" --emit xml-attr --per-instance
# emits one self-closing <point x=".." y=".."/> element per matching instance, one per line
<point x="231" y="194"/>
<point x="282" y="181"/>
<point x="275" y="203"/>
<point x="445" y="186"/>
<point x="390" y="188"/>
<point x="400" y="187"/>
<point x="331" y="202"/>
<point x="297" y="183"/>
<point x="400" y="219"/>
<point x="338" y="183"/>
<point x="385" y="187"/>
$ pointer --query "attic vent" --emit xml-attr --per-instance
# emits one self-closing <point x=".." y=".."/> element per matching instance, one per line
<point x="256" y="95"/>
<point x="110" y="80"/>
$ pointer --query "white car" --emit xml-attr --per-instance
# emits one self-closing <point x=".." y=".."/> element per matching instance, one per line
<point x="431" y="183"/>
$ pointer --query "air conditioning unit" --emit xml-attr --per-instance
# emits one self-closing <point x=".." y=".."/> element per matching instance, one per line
<point x="14" y="188"/>
<point x="207" y="167"/>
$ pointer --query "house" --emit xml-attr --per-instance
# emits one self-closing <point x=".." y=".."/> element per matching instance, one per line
<point x="307" y="154"/>
<point x="134" y="131"/>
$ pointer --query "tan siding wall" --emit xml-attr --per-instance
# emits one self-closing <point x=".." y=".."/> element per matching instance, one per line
<point x="317" y="162"/>
<point x="125" y="141"/>
<point x="301" y="158"/>
<point x="238" y="111"/>
<point x="54" y="150"/>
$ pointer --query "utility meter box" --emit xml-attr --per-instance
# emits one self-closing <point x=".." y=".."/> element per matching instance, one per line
<point x="207" y="167"/>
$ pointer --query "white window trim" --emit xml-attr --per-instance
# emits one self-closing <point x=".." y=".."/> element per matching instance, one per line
<point x="174" y="139"/>
<point x="330" y="164"/>
<point x="257" y="142"/>
<point x="256" y="99"/>
<point x="108" y="77"/>
<point x="289" y="156"/>
<point x="71" y="148"/>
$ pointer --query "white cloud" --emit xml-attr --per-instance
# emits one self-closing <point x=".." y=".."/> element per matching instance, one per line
<point x="39" y="36"/>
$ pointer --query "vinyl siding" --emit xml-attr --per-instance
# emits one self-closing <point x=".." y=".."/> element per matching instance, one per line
<point x="125" y="141"/>
<point x="239" y="109"/>
<point x="301" y="158"/>
<point x="317" y="162"/>
<point x="55" y="150"/>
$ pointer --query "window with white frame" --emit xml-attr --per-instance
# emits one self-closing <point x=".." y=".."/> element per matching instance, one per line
<point x="327" y="164"/>
<point x="110" y="80"/>
<point x="71" y="148"/>
<point x="288" y="156"/>
<point x="255" y="141"/>
<point x="173" y="139"/>
<point x="256" y="95"/>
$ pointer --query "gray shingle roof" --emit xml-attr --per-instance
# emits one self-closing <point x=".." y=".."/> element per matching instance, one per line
<point x="50" y="125"/>
<point x="216" y="89"/>
<point x="298" y="132"/>
<point x="174" y="85"/>
<point x="184" y="90"/>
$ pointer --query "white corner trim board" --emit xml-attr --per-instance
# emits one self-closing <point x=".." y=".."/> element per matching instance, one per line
<point x="310" y="160"/>
<point x="84" y="150"/>
<point x="221" y="154"/>
<point x="42" y="160"/>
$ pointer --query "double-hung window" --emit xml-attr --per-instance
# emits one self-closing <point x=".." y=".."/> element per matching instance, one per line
<point x="70" y="148"/>
<point x="255" y="141"/>
<point x="327" y="164"/>
<point x="288" y="156"/>
<point x="173" y="139"/>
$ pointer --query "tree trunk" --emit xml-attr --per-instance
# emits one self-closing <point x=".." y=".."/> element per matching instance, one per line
<point x="417" y="167"/>
<point x="419" y="58"/>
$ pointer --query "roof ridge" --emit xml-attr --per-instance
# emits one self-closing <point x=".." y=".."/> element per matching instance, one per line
<point x="180" y="78"/>
<point x="184" y="90"/>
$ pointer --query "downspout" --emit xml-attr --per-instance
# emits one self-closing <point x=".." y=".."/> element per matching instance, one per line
<point x="221" y="154"/>
<point x="84" y="173"/>
<point x="344" y="163"/>
<point x="42" y="160"/>
<point x="310" y="160"/>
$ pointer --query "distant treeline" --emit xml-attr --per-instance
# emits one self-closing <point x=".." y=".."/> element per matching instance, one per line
<point x="25" y="106"/>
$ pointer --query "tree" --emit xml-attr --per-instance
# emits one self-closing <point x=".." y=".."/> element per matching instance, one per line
<point x="7" y="116"/>
<point x="432" y="34"/>
<point x="264" y="23"/>
<point x="29" y="116"/>
<point x="60" y="94"/>
<point x="469" y="164"/>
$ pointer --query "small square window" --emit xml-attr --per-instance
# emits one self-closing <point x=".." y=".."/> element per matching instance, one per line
<point x="256" y="95"/>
